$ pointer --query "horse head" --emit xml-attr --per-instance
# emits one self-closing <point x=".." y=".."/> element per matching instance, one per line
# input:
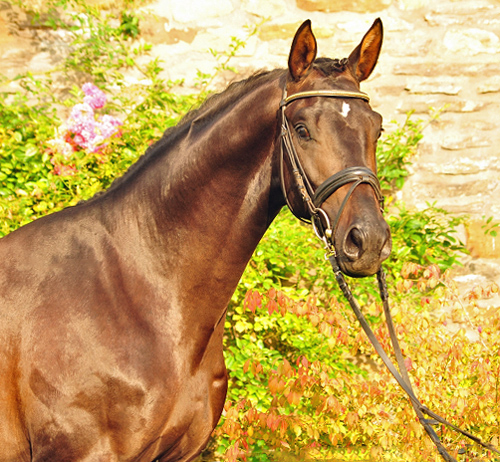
<point x="329" y="137"/>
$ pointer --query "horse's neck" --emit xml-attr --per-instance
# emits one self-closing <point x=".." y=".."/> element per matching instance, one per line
<point x="206" y="205"/>
<point x="226" y="200"/>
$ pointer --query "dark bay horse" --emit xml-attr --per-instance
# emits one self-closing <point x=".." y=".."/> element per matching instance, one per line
<point x="112" y="311"/>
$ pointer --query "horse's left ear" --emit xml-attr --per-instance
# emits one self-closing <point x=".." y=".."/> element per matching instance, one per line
<point x="364" y="57"/>
<point x="303" y="51"/>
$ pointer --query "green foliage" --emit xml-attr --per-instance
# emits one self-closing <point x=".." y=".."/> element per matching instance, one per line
<point x="490" y="228"/>
<point x="129" y="26"/>
<point x="101" y="49"/>
<point x="29" y="188"/>
<point x="396" y="149"/>
<point x="427" y="237"/>
<point x="320" y="414"/>
<point x="292" y="347"/>
<point x="394" y="153"/>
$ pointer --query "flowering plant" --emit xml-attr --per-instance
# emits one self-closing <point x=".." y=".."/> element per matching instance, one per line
<point x="84" y="130"/>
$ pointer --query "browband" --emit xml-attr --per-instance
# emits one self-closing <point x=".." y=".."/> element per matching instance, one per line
<point x="327" y="93"/>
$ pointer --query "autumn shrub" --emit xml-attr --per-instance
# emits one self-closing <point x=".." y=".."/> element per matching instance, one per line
<point x="304" y="382"/>
<point x="319" y="411"/>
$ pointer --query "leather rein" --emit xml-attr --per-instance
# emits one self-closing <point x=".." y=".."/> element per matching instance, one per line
<point x="323" y="228"/>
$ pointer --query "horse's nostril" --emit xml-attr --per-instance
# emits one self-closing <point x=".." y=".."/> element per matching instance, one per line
<point x="356" y="237"/>
<point x="387" y="247"/>
<point x="353" y="247"/>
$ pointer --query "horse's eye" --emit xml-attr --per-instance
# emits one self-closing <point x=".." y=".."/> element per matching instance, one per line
<point x="303" y="132"/>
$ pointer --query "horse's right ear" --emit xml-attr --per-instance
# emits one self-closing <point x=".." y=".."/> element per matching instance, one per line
<point x="303" y="51"/>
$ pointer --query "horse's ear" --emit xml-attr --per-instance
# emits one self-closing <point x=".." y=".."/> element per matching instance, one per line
<point x="364" y="57"/>
<point x="303" y="51"/>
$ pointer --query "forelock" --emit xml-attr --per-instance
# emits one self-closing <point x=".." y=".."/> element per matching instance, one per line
<point x="328" y="66"/>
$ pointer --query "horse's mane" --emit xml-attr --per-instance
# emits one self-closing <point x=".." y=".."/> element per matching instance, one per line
<point x="216" y="103"/>
<point x="212" y="107"/>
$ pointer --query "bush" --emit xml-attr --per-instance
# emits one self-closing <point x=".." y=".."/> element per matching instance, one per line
<point x="320" y="412"/>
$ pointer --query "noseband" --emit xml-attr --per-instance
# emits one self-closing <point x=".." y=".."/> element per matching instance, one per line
<point x="314" y="199"/>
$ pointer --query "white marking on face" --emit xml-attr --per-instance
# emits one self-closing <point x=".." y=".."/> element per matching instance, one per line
<point x="345" y="109"/>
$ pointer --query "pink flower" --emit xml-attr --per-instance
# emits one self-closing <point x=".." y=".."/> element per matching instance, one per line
<point x="64" y="170"/>
<point x="83" y="130"/>
<point x="79" y="140"/>
<point x="94" y="97"/>
<point x="108" y="125"/>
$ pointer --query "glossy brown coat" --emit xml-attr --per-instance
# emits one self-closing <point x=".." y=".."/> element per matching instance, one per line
<point x="112" y="312"/>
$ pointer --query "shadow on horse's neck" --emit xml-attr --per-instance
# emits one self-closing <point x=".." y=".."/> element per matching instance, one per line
<point x="206" y="185"/>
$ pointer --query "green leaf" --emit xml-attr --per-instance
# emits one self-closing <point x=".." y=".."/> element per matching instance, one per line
<point x="31" y="151"/>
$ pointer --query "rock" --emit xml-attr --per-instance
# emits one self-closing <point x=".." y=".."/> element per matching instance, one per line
<point x="462" y="166"/>
<point x="491" y="85"/>
<point x="192" y="11"/>
<point x="264" y="8"/>
<point x="409" y="5"/>
<point x="445" y="86"/>
<point x="463" y="7"/>
<point x="459" y="13"/>
<point x="357" y="6"/>
<point x="42" y="62"/>
<point x="436" y="69"/>
<point x="156" y="30"/>
<point x="214" y="39"/>
<point x="456" y="142"/>
<point x="480" y="243"/>
<point x="471" y="42"/>
<point x="412" y="44"/>
<point x="454" y="105"/>
<point x="286" y="30"/>
<point x="278" y="31"/>
<point x="397" y="25"/>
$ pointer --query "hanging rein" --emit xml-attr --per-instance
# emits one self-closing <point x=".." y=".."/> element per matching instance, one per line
<point x="325" y="230"/>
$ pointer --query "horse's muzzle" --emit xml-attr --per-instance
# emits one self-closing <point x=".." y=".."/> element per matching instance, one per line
<point x="363" y="247"/>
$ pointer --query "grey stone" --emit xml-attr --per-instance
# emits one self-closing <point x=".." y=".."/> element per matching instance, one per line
<point x="358" y="6"/>
<point x="484" y="14"/>
<point x="471" y="42"/>
<point x="456" y="68"/>
<point x="264" y="8"/>
<point x="459" y="141"/>
<point x="490" y="85"/>
<point x="443" y="85"/>
<point x="446" y="105"/>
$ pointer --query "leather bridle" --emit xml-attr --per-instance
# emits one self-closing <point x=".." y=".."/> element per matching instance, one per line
<point x="314" y="198"/>
<point x="326" y="232"/>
